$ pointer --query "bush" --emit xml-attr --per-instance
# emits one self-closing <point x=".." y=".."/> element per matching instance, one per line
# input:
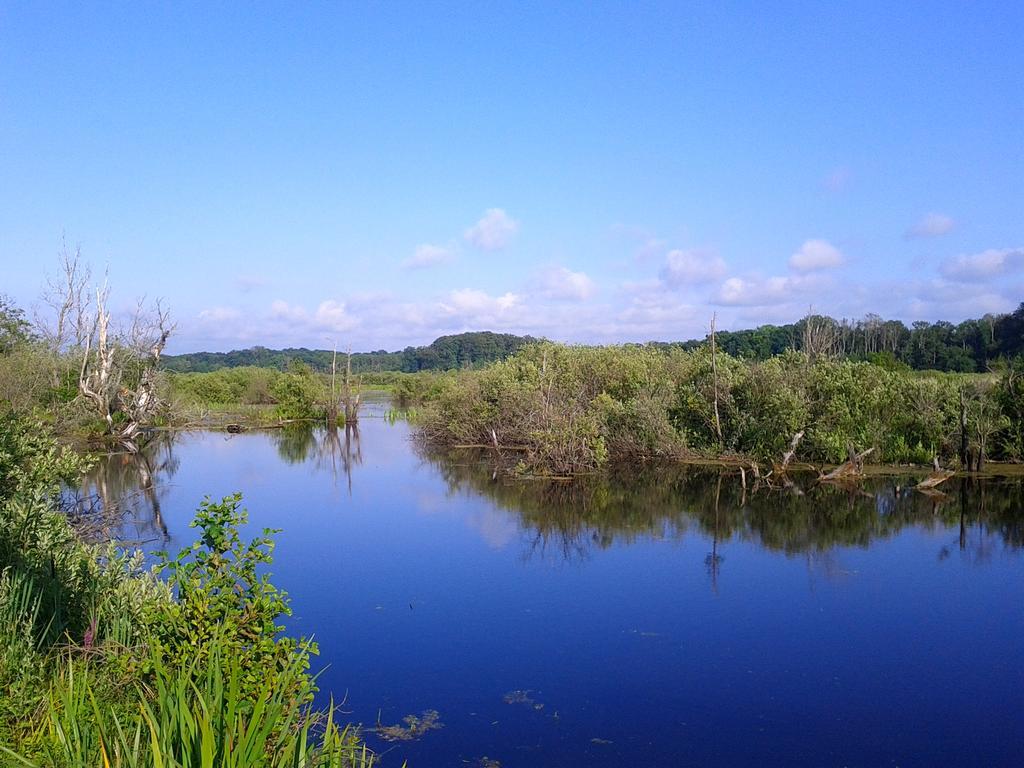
<point x="222" y="604"/>
<point x="572" y="408"/>
<point x="298" y="394"/>
<point x="103" y="663"/>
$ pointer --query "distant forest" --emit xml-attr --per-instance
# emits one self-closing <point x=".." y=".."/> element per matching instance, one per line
<point x="463" y="350"/>
<point x="968" y="346"/>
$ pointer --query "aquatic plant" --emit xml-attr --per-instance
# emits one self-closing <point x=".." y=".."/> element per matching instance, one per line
<point x="411" y="728"/>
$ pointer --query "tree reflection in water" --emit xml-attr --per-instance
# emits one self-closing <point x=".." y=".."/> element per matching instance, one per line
<point x="333" y="449"/>
<point x="569" y="520"/>
<point x="119" y="498"/>
<point x="572" y="519"/>
<point x="339" y="451"/>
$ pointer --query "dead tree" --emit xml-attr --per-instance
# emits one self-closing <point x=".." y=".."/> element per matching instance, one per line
<point x="714" y="373"/>
<point x="351" y="393"/>
<point x="819" y="336"/>
<point x="332" y="405"/>
<point x="118" y="371"/>
<point x="65" y="324"/>
<point x="787" y="457"/>
<point x="851" y="469"/>
<point x="67" y="297"/>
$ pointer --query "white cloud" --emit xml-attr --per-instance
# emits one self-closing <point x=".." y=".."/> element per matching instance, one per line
<point x="282" y="310"/>
<point x="938" y="299"/>
<point x="330" y="315"/>
<point x="469" y="301"/>
<point x="653" y="317"/>
<point x="493" y="232"/>
<point x="561" y="283"/>
<point x="759" y="292"/>
<point x="816" y="254"/>
<point x="979" y="267"/>
<point x="931" y="225"/>
<point x="427" y="255"/>
<point x="218" y="315"/>
<point x="691" y="268"/>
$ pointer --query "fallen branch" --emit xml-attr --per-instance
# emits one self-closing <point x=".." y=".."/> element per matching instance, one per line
<point x="851" y="468"/>
<point x="787" y="457"/>
<point x="935" y="479"/>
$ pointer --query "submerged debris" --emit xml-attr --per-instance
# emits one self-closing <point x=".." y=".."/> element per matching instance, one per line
<point x="414" y="727"/>
<point x="937" y="477"/>
<point x="851" y="469"/>
<point x="601" y="741"/>
<point x="523" y="697"/>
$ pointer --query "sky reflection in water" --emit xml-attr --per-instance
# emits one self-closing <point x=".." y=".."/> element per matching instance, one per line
<point x="657" y="617"/>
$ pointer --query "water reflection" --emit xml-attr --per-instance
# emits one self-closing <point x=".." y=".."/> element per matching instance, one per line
<point x="121" y="495"/>
<point x="332" y="449"/>
<point x="435" y="582"/>
<point x="571" y="519"/>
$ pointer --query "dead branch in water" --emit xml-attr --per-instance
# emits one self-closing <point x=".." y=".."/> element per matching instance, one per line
<point x="935" y="479"/>
<point x="850" y="469"/>
<point x="787" y="457"/>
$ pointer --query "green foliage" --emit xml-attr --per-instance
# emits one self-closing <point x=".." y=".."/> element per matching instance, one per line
<point x="1009" y="395"/>
<point x="463" y="350"/>
<point x="570" y="409"/>
<point x="966" y="347"/>
<point x="224" y="604"/>
<point x="14" y="328"/>
<point x="245" y="385"/>
<point x="200" y="720"/>
<point x="298" y="394"/>
<point x="103" y="663"/>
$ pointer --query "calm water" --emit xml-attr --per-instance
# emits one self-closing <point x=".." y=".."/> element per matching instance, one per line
<point x="653" y="618"/>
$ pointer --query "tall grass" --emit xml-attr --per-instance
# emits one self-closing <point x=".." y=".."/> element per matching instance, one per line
<point x="105" y="663"/>
<point x="190" y="721"/>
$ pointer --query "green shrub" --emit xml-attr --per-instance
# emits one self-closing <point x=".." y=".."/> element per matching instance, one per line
<point x="566" y="405"/>
<point x="104" y="663"/>
<point x="298" y="394"/>
<point x="222" y="602"/>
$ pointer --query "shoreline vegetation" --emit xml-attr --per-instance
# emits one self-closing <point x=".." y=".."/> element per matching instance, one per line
<point x="565" y="410"/>
<point x="106" y="662"/>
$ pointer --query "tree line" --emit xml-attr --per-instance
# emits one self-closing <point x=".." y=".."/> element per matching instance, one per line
<point x="965" y="347"/>
<point x="462" y="350"/>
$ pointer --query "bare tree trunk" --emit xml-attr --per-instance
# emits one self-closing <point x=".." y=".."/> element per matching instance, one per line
<point x="95" y="376"/>
<point x="351" y="398"/>
<point x="332" y="408"/>
<point x="714" y="372"/>
<point x="787" y="457"/>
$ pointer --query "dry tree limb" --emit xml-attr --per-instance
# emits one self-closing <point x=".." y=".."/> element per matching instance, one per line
<point x="787" y="457"/>
<point x="935" y="479"/>
<point x="851" y="468"/>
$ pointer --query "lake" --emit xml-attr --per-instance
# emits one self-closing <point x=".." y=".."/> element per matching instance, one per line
<point x="657" y="616"/>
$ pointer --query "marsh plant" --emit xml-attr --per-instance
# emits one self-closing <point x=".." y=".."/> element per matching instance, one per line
<point x="563" y="409"/>
<point x="103" y="662"/>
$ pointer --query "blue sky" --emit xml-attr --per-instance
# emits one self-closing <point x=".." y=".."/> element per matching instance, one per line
<point x="381" y="173"/>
